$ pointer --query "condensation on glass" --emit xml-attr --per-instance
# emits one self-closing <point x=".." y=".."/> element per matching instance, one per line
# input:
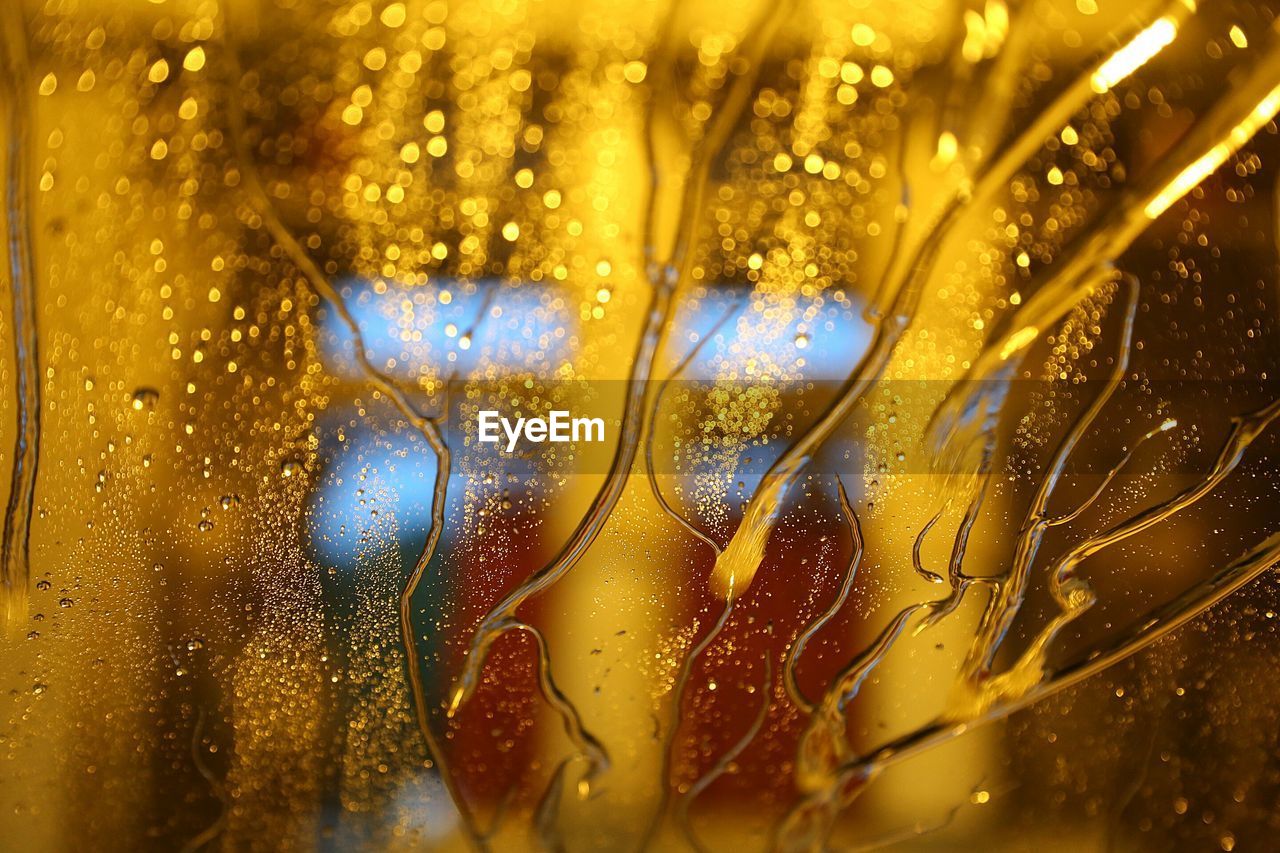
<point x="935" y="342"/>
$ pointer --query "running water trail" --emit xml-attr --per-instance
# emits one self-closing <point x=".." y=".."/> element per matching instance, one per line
<point x="894" y="304"/>
<point x="650" y="470"/>
<point x="260" y="202"/>
<point x="829" y="774"/>
<point x="723" y="763"/>
<point x="796" y="650"/>
<point x="980" y="696"/>
<point x="668" y="273"/>
<point x="15" y="556"/>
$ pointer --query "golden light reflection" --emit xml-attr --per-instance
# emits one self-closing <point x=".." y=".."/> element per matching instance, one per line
<point x="933" y="344"/>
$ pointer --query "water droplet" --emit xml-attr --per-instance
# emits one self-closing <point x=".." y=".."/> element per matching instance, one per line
<point x="145" y="398"/>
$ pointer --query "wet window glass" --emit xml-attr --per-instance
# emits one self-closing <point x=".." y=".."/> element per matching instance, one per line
<point x="744" y="425"/>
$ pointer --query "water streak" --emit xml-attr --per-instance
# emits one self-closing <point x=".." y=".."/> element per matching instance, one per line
<point x="258" y="199"/>
<point x="667" y="276"/>
<point x="650" y="470"/>
<point x="15" y="557"/>
<point x="794" y="653"/>
<point x="725" y="761"/>
<point x="891" y="311"/>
